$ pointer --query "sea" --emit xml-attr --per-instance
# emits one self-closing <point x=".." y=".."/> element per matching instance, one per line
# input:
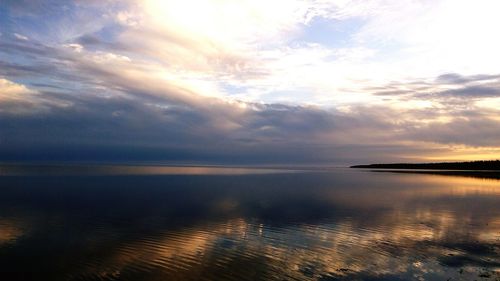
<point x="109" y="222"/>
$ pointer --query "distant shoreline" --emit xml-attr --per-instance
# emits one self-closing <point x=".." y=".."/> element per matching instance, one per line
<point x="493" y="165"/>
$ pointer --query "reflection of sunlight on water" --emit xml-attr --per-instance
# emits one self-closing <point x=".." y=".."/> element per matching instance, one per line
<point x="9" y="231"/>
<point x="302" y="252"/>
<point x="180" y="252"/>
<point x="60" y="170"/>
<point x="404" y="227"/>
<point x="408" y="187"/>
<point x="435" y="185"/>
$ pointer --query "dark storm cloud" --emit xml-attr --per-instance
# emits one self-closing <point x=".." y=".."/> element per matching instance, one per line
<point x="455" y="78"/>
<point x="473" y="92"/>
<point x="478" y="131"/>
<point x="463" y="86"/>
<point x="9" y="69"/>
<point x="95" y="41"/>
<point x="25" y="48"/>
<point x="91" y="128"/>
<point x="120" y="129"/>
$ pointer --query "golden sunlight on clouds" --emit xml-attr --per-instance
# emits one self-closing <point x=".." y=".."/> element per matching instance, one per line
<point x="491" y="104"/>
<point x="463" y="153"/>
<point x="11" y="91"/>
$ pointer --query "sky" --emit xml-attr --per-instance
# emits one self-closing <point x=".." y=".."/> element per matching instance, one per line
<point x="295" y="82"/>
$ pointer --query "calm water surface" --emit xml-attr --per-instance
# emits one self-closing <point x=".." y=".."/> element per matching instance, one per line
<point x="201" y="223"/>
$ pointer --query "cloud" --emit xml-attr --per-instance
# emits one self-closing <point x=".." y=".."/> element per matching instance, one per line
<point x="21" y="37"/>
<point x="455" y="78"/>
<point x="158" y="80"/>
<point x="123" y="109"/>
<point x="13" y="91"/>
<point x="136" y="128"/>
<point x="474" y="91"/>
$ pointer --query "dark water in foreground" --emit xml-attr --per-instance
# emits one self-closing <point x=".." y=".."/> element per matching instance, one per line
<point x="204" y="224"/>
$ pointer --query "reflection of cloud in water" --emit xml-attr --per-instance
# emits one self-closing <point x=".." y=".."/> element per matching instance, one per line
<point x="319" y="226"/>
<point x="415" y="247"/>
<point x="392" y="247"/>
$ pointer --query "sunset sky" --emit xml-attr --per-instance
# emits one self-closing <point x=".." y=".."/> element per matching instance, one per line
<point x="249" y="81"/>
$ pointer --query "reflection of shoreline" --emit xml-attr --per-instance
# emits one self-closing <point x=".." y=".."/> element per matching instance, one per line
<point x="489" y="165"/>
<point x="495" y="175"/>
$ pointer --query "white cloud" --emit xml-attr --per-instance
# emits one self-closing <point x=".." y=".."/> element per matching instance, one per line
<point x="12" y="91"/>
<point x="21" y="37"/>
<point x="75" y="47"/>
<point x="247" y="43"/>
